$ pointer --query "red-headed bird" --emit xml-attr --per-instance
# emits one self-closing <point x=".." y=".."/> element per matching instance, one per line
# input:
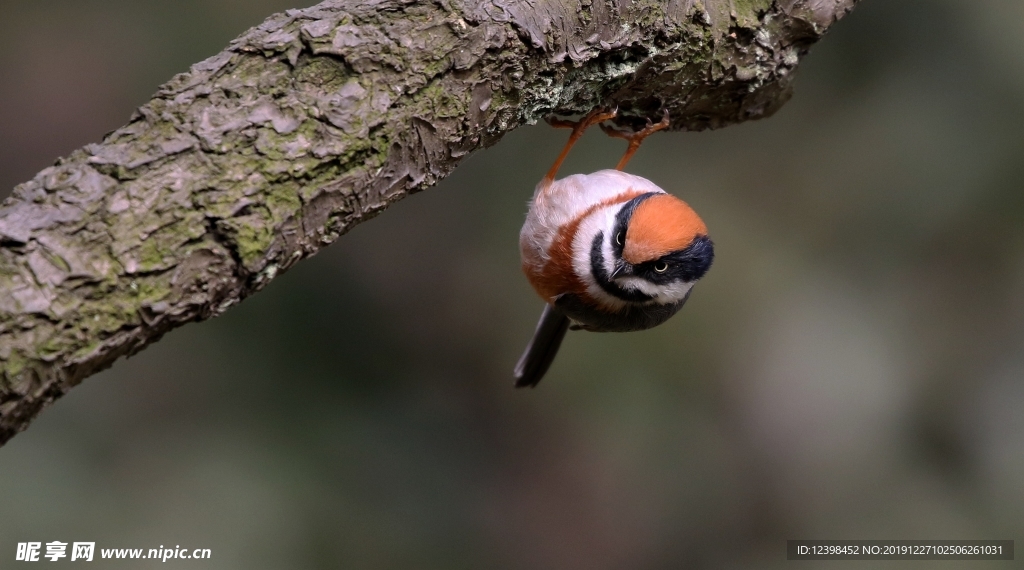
<point x="608" y="251"/>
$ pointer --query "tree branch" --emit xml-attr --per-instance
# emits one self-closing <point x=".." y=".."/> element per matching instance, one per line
<point x="318" y="119"/>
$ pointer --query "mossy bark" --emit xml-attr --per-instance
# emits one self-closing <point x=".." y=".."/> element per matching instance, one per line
<point x="319" y="119"/>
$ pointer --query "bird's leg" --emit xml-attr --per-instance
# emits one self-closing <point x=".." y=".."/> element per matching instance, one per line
<point x="634" y="138"/>
<point x="593" y="117"/>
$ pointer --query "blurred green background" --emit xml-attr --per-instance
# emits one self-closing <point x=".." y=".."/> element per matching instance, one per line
<point x="851" y="367"/>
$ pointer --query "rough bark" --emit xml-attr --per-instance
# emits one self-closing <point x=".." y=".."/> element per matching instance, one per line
<point x="319" y="119"/>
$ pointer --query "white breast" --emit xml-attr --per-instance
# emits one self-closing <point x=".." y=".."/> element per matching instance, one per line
<point x="559" y="202"/>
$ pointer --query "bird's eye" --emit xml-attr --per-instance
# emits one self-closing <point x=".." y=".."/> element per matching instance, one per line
<point x="618" y="238"/>
<point x="661" y="266"/>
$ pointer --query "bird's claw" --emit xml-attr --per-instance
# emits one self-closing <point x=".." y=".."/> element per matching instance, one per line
<point x="594" y="117"/>
<point x="640" y="135"/>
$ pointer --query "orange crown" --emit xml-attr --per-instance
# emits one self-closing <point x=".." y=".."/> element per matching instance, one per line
<point x="661" y="224"/>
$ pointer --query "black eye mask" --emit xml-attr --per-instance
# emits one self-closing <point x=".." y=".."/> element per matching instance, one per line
<point x="622" y="222"/>
<point x="687" y="265"/>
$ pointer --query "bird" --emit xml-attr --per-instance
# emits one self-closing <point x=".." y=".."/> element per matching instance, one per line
<point x="607" y="251"/>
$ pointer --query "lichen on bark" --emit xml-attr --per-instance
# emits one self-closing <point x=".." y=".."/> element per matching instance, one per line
<point x="320" y="118"/>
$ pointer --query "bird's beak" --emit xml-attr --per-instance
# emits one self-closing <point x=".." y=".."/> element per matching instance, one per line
<point x="622" y="269"/>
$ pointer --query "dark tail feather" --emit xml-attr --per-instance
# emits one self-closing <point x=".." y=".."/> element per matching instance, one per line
<point x="542" y="349"/>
